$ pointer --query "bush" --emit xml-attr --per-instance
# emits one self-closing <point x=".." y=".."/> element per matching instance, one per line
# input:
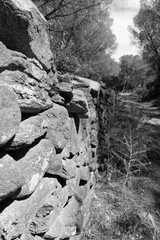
<point x="123" y="139"/>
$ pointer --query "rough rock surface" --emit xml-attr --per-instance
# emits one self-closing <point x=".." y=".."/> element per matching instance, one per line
<point x="15" y="218"/>
<point x="58" y="125"/>
<point x="29" y="130"/>
<point x="31" y="100"/>
<point x="16" y="61"/>
<point x="68" y="223"/>
<point x="23" y="28"/>
<point x="48" y="134"/>
<point x="11" y="179"/>
<point x="10" y="115"/>
<point x="78" y="103"/>
<point x="34" y="165"/>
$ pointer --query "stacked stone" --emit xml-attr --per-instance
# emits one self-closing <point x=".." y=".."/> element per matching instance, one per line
<point x="48" y="133"/>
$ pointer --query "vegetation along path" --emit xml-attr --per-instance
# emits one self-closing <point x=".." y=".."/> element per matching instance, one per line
<point x="129" y="210"/>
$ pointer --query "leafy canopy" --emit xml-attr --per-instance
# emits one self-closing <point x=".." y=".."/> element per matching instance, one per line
<point x="80" y="34"/>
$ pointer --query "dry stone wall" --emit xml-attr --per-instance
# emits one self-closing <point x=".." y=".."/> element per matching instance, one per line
<point x="48" y="133"/>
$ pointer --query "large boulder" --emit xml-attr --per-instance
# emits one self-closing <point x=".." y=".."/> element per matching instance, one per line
<point x="49" y="211"/>
<point x="61" y="91"/>
<point x="81" y="82"/>
<point x="10" y="115"/>
<point x="29" y="130"/>
<point x="78" y="103"/>
<point x="33" y="214"/>
<point x="73" y="145"/>
<point x="23" y="28"/>
<point x="27" y="79"/>
<point x="58" y="126"/>
<point x="26" y="236"/>
<point x="34" y="165"/>
<point x="69" y="222"/>
<point x="65" y="168"/>
<point x="13" y="60"/>
<point x="11" y="179"/>
<point x="31" y="99"/>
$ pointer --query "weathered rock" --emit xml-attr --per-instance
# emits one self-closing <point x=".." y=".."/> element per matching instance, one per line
<point x="49" y="211"/>
<point x="11" y="179"/>
<point x="58" y="141"/>
<point x="58" y="126"/>
<point x="73" y="184"/>
<point x="65" y="168"/>
<point x="57" y="168"/>
<point x="87" y="206"/>
<point x="78" y="103"/>
<point x="84" y="136"/>
<point x="19" y="216"/>
<point x="56" y="98"/>
<point x="64" y="86"/>
<point x="27" y="236"/>
<point x="12" y="61"/>
<point x="31" y="99"/>
<point x="61" y="91"/>
<point x="77" y="237"/>
<point x="69" y="222"/>
<point x="93" y="86"/>
<point x="92" y="109"/>
<point x="70" y="168"/>
<point x="83" y="158"/>
<point x="73" y="145"/>
<point x="34" y="165"/>
<point x="29" y="130"/>
<point x="10" y="115"/>
<point x="23" y="28"/>
<point x="65" y="90"/>
<point x="84" y="173"/>
<point x="81" y="184"/>
<point x="94" y="133"/>
<point x="38" y="238"/>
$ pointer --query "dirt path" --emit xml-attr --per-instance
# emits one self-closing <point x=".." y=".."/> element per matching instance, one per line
<point x="148" y="112"/>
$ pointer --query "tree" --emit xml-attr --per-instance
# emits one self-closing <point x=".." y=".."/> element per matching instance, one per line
<point x="80" y="33"/>
<point x="146" y="34"/>
<point x="132" y="71"/>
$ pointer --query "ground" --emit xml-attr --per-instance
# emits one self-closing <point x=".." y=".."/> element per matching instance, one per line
<point x="132" y="211"/>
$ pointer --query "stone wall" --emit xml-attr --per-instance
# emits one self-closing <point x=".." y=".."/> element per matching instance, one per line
<point x="48" y="133"/>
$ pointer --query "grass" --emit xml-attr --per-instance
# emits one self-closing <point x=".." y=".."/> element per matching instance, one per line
<point x="125" y="213"/>
<point x="129" y="211"/>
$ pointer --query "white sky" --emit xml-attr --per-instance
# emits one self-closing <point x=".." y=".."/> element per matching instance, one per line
<point x="122" y="12"/>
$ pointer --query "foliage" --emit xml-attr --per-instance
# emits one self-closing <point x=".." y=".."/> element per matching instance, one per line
<point x="123" y="139"/>
<point x="123" y="214"/>
<point x="146" y="34"/>
<point x="81" y="35"/>
<point x="132" y="72"/>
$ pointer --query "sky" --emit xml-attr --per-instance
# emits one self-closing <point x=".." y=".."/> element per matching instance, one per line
<point x="122" y="12"/>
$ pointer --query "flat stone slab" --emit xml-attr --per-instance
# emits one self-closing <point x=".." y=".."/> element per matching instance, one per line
<point x="58" y="125"/>
<point x="10" y="114"/>
<point x="93" y="86"/>
<point x="29" y="130"/>
<point x="11" y="179"/>
<point x="78" y="103"/>
<point x="31" y="99"/>
<point x="23" y="28"/>
<point x="17" y="61"/>
<point x="29" y="215"/>
<point x="34" y="165"/>
<point x="68" y="223"/>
